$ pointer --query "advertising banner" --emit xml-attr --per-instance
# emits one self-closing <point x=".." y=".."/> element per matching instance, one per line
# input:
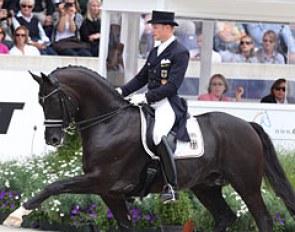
<point x="21" y="117"/>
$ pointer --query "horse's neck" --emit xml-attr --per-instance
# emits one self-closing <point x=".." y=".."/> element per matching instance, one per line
<point x="91" y="108"/>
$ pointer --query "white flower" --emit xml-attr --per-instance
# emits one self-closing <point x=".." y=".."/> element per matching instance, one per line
<point x="7" y="184"/>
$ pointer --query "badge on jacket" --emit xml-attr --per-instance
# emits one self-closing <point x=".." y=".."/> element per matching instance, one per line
<point x="165" y="63"/>
<point x="164" y="73"/>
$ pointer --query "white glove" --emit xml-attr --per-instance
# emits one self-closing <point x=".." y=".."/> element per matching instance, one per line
<point x="119" y="90"/>
<point x="138" y="98"/>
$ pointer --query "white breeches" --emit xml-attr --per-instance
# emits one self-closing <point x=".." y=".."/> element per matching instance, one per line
<point x="164" y="119"/>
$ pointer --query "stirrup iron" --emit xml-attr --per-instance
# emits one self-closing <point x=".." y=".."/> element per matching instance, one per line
<point x="169" y="195"/>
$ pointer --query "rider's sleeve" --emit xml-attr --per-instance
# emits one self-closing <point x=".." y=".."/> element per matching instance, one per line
<point x="136" y="83"/>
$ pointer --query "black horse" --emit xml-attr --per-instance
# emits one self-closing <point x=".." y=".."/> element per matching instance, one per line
<point x="236" y="152"/>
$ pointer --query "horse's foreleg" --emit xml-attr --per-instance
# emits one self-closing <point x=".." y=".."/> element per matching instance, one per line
<point x="16" y="217"/>
<point x="120" y="212"/>
<point x="79" y="185"/>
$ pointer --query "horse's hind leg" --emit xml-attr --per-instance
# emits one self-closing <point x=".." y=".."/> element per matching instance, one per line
<point x="120" y="212"/>
<point x="254" y="201"/>
<point x="211" y="198"/>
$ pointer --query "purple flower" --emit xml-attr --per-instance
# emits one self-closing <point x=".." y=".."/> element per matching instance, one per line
<point x="10" y="194"/>
<point x="282" y="222"/>
<point x="109" y="214"/>
<point x="75" y="210"/>
<point x="92" y="207"/>
<point x="279" y="219"/>
<point x="94" y="215"/>
<point x="2" y="194"/>
<point x="4" y="204"/>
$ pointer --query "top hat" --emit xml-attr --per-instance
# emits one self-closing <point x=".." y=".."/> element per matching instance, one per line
<point x="163" y="17"/>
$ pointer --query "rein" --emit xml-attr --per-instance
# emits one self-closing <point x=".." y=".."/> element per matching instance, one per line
<point x="67" y="124"/>
<point x="93" y="121"/>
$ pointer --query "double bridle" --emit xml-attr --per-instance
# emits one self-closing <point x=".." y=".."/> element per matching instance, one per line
<point x="67" y="123"/>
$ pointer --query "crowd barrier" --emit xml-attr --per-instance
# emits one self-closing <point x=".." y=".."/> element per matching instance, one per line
<point x="21" y="117"/>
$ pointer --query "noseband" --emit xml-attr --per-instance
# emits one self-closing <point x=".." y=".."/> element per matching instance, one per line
<point x="67" y="124"/>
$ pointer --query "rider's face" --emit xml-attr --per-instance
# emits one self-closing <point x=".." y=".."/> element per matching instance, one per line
<point x="161" y="32"/>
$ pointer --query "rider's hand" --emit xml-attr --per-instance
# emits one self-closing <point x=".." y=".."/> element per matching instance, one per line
<point x="138" y="98"/>
<point x="119" y="90"/>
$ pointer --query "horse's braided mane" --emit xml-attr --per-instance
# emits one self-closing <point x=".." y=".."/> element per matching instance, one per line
<point x="89" y="73"/>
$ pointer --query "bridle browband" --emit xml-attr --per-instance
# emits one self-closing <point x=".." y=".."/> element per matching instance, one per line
<point x="67" y="123"/>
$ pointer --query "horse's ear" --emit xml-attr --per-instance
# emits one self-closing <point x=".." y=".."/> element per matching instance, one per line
<point x="36" y="78"/>
<point x="44" y="76"/>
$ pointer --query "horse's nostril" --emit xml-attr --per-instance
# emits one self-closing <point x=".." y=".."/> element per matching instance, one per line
<point x="55" y="141"/>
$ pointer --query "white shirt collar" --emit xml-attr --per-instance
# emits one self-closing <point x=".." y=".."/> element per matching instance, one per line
<point x="165" y="44"/>
<point x="20" y="14"/>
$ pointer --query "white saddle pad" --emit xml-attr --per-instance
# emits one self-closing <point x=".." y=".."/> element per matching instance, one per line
<point x="184" y="150"/>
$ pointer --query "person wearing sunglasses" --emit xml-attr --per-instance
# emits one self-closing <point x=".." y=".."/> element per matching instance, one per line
<point x="218" y="86"/>
<point x="37" y="35"/>
<point x="246" y="52"/>
<point x="21" y="47"/>
<point x="277" y="93"/>
<point x="268" y="53"/>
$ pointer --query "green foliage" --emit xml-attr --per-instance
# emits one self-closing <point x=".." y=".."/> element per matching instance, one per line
<point x="175" y="214"/>
<point x="288" y="160"/>
<point x="22" y="180"/>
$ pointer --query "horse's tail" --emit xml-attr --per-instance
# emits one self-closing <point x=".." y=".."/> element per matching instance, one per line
<point x="274" y="171"/>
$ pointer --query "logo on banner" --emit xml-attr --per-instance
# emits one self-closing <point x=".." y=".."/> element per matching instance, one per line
<point x="6" y="112"/>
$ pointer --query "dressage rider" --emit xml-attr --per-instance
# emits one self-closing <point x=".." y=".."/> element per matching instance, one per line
<point x="164" y="72"/>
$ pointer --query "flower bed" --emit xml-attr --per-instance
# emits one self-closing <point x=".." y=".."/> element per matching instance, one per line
<point x="22" y="180"/>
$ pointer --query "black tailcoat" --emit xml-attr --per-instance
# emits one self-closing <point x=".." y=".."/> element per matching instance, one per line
<point x="164" y="75"/>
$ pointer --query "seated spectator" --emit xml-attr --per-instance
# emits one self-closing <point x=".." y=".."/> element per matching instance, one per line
<point x="277" y="93"/>
<point x="186" y="33"/>
<point x="245" y="54"/>
<point x="228" y="36"/>
<point x="37" y="35"/>
<point x="195" y="54"/>
<point x="146" y="39"/>
<point x="66" y="33"/>
<point x="268" y="53"/>
<point x="5" y="23"/>
<point x="43" y="10"/>
<point x="21" y="47"/>
<point x="90" y="29"/>
<point x="3" y="48"/>
<point x="218" y="86"/>
<point x="286" y="40"/>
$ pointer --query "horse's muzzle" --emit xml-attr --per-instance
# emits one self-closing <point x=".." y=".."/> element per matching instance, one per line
<point x="54" y="138"/>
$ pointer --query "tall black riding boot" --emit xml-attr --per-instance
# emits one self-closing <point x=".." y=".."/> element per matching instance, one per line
<point x="169" y="193"/>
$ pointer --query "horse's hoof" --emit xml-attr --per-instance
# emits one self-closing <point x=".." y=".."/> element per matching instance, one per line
<point x="13" y="221"/>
